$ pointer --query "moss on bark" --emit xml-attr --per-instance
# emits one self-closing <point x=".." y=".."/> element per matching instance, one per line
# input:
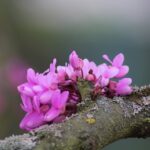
<point x="97" y="124"/>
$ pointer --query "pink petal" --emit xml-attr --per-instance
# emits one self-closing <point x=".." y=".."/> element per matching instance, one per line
<point x="31" y="77"/>
<point x="124" y="90"/>
<point x="55" y="98"/>
<point x="71" y="73"/>
<point x="107" y="58"/>
<point x="23" y="108"/>
<point x="111" y="72"/>
<point x="51" y="81"/>
<point x="112" y="85"/>
<point x="27" y="104"/>
<point x="32" y="120"/>
<point x="90" y="77"/>
<point x="124" y="81"/>
<point x="75" y="61"/>
<point x="37" y="88"/>
<point x="42" y="80"/>
<point x="26" y="89"/>
<point x="92" y="66"/>
<point x="36" y="104"/>
<point x="123" y="70"/>
<point x="46" y="97"/>
<point x="63" y="100"/>
<point x="123" y="87"/>
<point x="61" y="68"/>
<point x="52" y="114"/>
<point x="118" y="60"/>
<point x="104" y="82"/>
<point x="53" y="66"/>
<point x="61" y="72"/>
<point x="102" y="68"/>
<point x="59" y="100"/>
<point x="20" y="88"/>
<point x="85" y="68"/>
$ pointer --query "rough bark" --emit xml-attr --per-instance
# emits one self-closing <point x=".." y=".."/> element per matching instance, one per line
<point x="97" y="124"/>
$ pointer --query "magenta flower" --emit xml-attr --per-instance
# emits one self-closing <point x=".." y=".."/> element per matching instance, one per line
<point x="123" y="86"/>
<point x="75" y="61"/>
<point x="51" y="96"/>
<point x="58" y="103"/>
<point x="32" y="120"/>
<point x="108" y="73"/>
<point x="118" y="63"/>
<point x="89" y="70"/>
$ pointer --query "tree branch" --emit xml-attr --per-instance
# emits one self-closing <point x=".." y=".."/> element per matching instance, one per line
<point x="97" y="124"/>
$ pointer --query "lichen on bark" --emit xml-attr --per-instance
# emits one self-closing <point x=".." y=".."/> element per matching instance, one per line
<point x="97" y="124"/>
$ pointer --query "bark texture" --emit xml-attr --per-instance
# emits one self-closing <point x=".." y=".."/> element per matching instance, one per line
<point x="97" y="124"/>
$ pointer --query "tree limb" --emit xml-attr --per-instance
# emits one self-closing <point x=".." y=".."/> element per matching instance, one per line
<point x="97" y="124"/>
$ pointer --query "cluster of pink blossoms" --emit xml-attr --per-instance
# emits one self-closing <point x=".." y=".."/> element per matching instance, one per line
<point x="53" y="95"/>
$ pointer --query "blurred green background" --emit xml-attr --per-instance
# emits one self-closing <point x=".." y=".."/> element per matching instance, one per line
<point x="32" y="32"/>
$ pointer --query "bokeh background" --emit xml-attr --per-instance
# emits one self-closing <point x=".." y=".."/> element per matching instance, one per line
<point x="32" y="32"/>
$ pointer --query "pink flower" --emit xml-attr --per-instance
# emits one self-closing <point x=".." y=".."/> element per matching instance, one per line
<point x="32" y="76"/>
<point x="123" y="86"/>
<point x="45" y="97"/>
<point x="58" y="103"/>
<point x="32" y="120"/>
<point x="61" y="73"/>
<point x="110" y="72"/>
<point x="89" y="70"/>
<point x="53" y="95"/>
<point x="26" y="104"/>
<point x="38" y="114"/>
<point x="75" y="61"/>
<point x="48" y="81"/>
<point x="26" y="89"/>
<point x="71" y="73"/>
<point x="118" y="63"/>
<point x="53" y="66"/>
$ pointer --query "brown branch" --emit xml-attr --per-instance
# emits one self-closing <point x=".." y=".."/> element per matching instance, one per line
<point x="98" y="124"/>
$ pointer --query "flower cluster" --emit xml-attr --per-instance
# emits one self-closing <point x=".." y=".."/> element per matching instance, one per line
<point x="53" y="95"/>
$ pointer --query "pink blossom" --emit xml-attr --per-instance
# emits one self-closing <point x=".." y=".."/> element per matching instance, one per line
<point x="89" y="70"/>
<point x="32" y="120"/>
<point x="118" y="63"/>
<point x="31" y="76"/>
<point x="40" y="113"/>
<point x="110" y="72"/>
<point x="71" y="73"/>
<point x="53" y="95"/>
<point x="123" y="86"/>
<point x="61" y="73"/>
<point x="52" y="67"/>
<point x="58" y="103"/>
<point x="75" y="61"/>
